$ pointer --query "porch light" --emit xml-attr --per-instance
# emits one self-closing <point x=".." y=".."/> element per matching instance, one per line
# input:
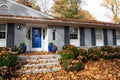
<point x="54" y="29"/>
<point x="18" y="27"/>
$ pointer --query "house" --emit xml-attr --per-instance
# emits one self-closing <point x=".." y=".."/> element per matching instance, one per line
<point x="19" y="23"/>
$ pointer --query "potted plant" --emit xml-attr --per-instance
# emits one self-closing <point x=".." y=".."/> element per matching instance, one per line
<point x="23" y="47"/>
<point x="50" y="45"/>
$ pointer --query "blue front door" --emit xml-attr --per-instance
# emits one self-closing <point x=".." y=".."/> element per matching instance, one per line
<point x="36" y="37"/>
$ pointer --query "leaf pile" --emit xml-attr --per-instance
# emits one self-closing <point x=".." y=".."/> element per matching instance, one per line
<point x="99" y="70"/>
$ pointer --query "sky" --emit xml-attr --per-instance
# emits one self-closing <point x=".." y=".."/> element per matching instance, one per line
<point x="93" y="6"/>
<point x="99" y="12"/>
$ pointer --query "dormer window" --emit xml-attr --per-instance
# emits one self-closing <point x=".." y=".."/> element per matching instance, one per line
<point x="4" y="6"/>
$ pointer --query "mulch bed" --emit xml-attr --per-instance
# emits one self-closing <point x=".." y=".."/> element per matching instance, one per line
<point x="94" y="70"/>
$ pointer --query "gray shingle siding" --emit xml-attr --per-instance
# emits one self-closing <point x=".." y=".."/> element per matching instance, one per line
<point x="59" y="36"/>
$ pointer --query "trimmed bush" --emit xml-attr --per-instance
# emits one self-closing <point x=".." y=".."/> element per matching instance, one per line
<point x="74" y="65"/>
<point x="108" y="49"/>
<point x="3" y="49"/>
<point x="82" y="58"/>
<point x="94" y="50"/>
<point x="71" y="48"/>
<point x="66" y="55"/>
<point x="82" y="55"/>
<point x="106" y="55"/>
<point x="82" y="52"/>
<point x="109" y="52"/>
<point x="8" y="59"/>
<point x="93" y="53"/>
<point x="116" y="49"/>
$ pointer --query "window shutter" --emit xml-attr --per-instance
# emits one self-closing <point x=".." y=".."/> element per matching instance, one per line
<point x="10" y="34"/>
<point x="114" y="36"/>
<point x="105" y="37"/>
<point x="82" y="36"/>
<point x="66" y="35"/>
<point x="93" y="37"/>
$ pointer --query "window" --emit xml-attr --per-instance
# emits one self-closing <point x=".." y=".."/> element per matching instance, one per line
<point x="118" y="34"/>
<point x="73" y="33"/>
<point x="98" y="34"/>
<point x="118" y="37"/>
<point x="2" y="31"/>
<point x="99" y="37"/>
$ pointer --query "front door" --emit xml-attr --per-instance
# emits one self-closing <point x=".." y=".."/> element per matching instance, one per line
<point x="36" y="38"/>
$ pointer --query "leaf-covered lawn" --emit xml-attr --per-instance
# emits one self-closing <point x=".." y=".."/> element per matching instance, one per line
<point x="99" y="70"/>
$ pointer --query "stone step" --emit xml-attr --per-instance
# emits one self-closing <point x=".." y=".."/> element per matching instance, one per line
<point x="40" y="70"/>
<point x="39" y="67"/>
<point x="39" y="63"/>
<point x="37" y="60"/>
<point x="45" y="64"/>
<point x="57" y="56"/>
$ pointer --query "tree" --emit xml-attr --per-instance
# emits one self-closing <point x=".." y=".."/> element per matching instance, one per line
<point x="69" y="9"/>
<point x="114" y="9"/>
<point x="29" y="3"/>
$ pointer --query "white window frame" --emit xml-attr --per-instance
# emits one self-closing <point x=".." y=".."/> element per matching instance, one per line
<point x="4" y="31"/>
<point x="74" y="33"/>
<point x="3" y="41"/>
<point x="99" y="41"/>
<point x="76" y="41"/>
<point x="118" y="37"/>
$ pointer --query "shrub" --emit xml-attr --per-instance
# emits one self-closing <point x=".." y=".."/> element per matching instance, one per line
<point x="108" y="49"/>
<point x="82" y="58"/>
<point x="3" y="49"/>
<point x="94" y="50"/>
<point x="71" y="48"/>
<point x="110" y="53"/>
<point x="106" y="55"/>
<point x="82" y="52"/>
<point x="73" y="65"/>
<point x="93" y="53"/>
<point x="66" y="55"/>
<point x="7" y="59"/>
<point x="116" y="49"/>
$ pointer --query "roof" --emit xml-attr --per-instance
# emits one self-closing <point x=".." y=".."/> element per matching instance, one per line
<point x="18" y="9"/>
<point x="57" y="21"/>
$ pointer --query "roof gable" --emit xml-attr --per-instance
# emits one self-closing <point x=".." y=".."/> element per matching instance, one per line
<point x="20" y="10"/>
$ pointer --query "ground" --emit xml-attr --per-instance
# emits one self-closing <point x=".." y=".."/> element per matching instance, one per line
<point x="93" y="70"/>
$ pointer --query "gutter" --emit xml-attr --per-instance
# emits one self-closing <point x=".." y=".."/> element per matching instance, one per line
<point x="55" y="22"/>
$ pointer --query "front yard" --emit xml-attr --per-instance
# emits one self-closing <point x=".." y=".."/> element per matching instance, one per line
<point x="99" y="70"/>
<point x="76" y="64"/>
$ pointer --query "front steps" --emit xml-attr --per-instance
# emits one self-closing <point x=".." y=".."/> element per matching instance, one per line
<point x="38" y="63"/>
